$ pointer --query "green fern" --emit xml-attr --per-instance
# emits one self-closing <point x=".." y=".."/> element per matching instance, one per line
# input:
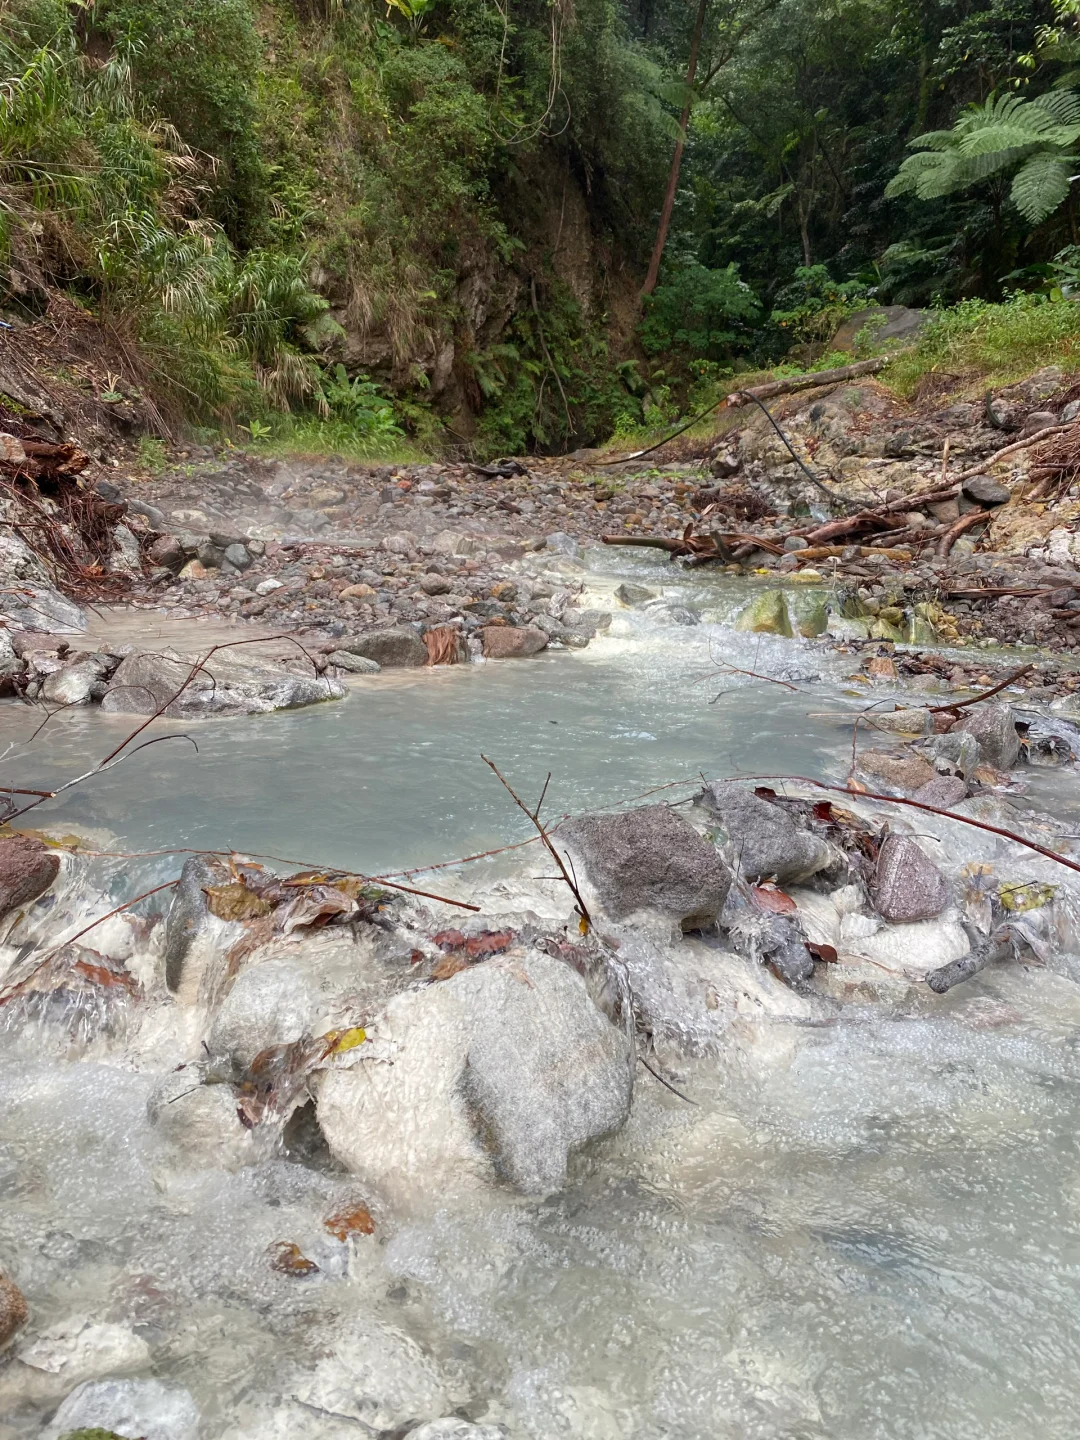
<point x="1034" y="138"/>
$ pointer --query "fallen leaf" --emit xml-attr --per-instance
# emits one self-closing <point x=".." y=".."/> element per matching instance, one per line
<point x="489" y="942"/>
<point x="234" y="901"/>
<point x="822" y="952"/>
<point x="823" y="810"/>
<point x="763" y="792"/>
<point x="352" y="1220"/>
<point x="341" y="1041"/>
<point x="288" y="1259"/>
<point x="449" y="966"/>
<point x="449" y="940"/>
<point x="1030" y="896"/>
<point x="768" y="897"/>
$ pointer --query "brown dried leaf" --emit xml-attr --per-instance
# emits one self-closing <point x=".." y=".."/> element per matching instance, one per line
<point x="489" y="942"/>
<point x="776" y="902"/>
<point x="822" y="952"/>
<point x="350" y="1220"/>
<point x="234" y="901"/>
<point x="288" y="1259"/>
<point x="449" y="940"/>
<point x="449" y="966"/>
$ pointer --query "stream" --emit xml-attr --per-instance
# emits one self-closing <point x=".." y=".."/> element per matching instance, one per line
<point x="864" y="1228"/>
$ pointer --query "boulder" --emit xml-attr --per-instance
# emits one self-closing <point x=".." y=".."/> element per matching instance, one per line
<point x="374" y="1374"/>
<point x="634" y="594"/>
<point x="80" y="683"/>
<point x="193" y="936"/>
<point x="564" y="544"/>
<point x="80" y="1348"/>
<point x="765" y="839"/>
<point x="766" y="615"/>
<point x="270" y="1003"/>
<point x="506" y="642"/>
<point x="199" y="1122"/>
<point x="27" y="869"/>
<point x="994" y="727"/>
<point x="807" y="611"/>
<point x="134" y="1409"/>
<point x="167" y="551"/>
<point x="353" y="664"/>
<point x="226" y="686"/>
<point x="237" y="556"/>
<point x="649" y="858"/>
<point x="894" y="774"/>
<point x="907" y="885"/>
<point x="13" y="1311"/>
<point x="454" y="1429"/>
<point x="902" y="722"/>
<point x="986" y="491"/>
<point x="943" y="792"/>
<point x="388" y="648"/>
<point x="892" y="322"/>
<point x="499" y="1072"/>
<point x="954" y="753"/>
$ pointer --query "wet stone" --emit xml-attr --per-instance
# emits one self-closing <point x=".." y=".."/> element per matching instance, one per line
<point x="27" y="869"/>
<point x="765" y="840"/>
<point x="907" y="885"/>
<point x="650" y="858"/>
<point x="994" y="727"/>
<point x="13" y="1310"/>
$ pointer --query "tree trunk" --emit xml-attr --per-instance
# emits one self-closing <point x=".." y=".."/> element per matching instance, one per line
<point x="676" y="159"/>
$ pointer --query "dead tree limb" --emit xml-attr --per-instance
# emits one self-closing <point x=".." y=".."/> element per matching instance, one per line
<point x="791" y="383"/>
<point x="966" y="522"/>
<point x="985" y="695"/>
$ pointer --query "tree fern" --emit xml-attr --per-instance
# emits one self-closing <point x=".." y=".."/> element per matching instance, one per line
<point x="1033" y="138"/>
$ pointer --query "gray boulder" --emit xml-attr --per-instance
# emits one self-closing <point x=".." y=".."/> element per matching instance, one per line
<point x="388" y="648"/>
<point x="994" y="727"/>
<point x="135" y="1409"/>
<point x="943" y="792"/>
<point x="237" y="556"/>
<point x="79" y="683"/>
<point x="374" y="1374"/>
<point x="907" y="885"/>
<point x="652" y="859"/>
<point x="227" y="686"/>
<point x="765" y="839"/>
<point x="986" y="491"/>
<point x="497" y="1073"/>
<point x="191" y="931"/>
<point x="353" y="664"/>
<point x="454" y="1429"/>
<point x="634" y="594"/>
<point x="564" y="544"/>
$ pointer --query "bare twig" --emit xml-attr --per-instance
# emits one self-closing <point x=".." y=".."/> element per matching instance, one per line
<point x="582" y="908"/>
<point x="984" y="695"/>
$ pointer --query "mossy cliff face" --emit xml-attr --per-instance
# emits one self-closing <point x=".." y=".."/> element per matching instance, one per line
<point x="268" y="190"/>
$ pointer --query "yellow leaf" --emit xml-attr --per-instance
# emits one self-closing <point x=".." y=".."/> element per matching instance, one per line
<point x="583" y="926"/>
<point x="338" y="1041"/>
<point x="1031" y="896"/>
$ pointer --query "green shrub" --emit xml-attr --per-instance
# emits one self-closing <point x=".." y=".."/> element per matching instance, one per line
<point x="994" y="344"/>
<point x="700" y="312"/>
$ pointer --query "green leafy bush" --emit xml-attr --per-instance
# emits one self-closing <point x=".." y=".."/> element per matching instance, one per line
<point x="701" y="312"/>
<point x="810" y="308"/>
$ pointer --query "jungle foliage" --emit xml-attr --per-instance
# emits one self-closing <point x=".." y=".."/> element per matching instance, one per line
<point x="304" y="210"/>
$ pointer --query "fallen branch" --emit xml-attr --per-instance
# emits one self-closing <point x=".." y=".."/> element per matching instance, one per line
<point x="1014" y="449"/>
<point x="966" y="522"/>
<point x="534" y="816"/>
<point x="985" y="695"/>
<point x="865" y="520"/>
<point x="792" y="383"/>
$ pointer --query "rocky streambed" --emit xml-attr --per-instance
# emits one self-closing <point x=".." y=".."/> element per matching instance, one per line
<point x="760" y="1121"/>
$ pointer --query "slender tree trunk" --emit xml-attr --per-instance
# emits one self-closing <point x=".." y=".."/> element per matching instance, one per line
<point x="676" y="159"/>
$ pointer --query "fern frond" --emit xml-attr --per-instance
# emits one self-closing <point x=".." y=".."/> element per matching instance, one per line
<point x="1042" y="184"/>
